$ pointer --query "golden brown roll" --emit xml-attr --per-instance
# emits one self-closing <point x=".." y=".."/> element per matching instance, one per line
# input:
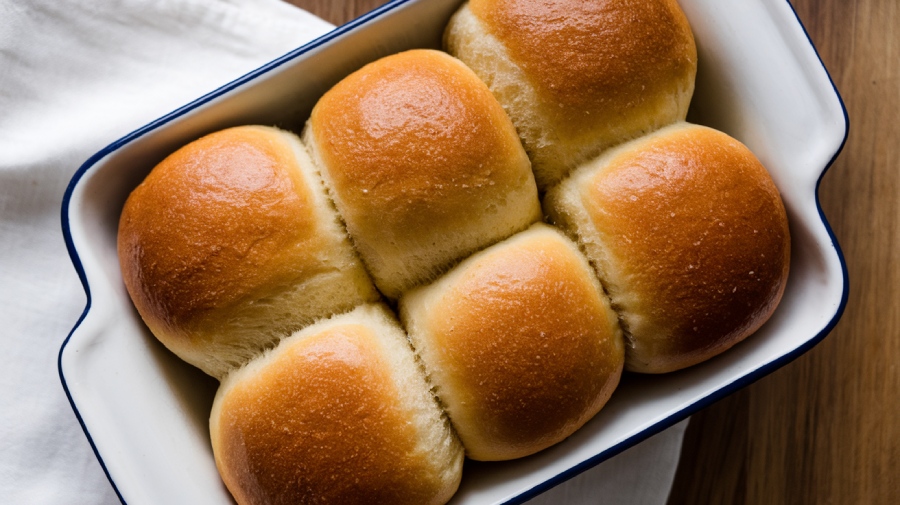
<point x="577" y="76"/>
<point x="423" y="165"/>
<point x="230" y="244"/>
<point x="339" y="413"/>
<point x="519" y="342"/>
<point x="690" y="238"/>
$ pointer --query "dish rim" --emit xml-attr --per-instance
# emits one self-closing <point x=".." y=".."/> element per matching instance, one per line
<point x="701" y="403"/>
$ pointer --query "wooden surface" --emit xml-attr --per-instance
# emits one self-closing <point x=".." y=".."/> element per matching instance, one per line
<point x="825" y="429"/>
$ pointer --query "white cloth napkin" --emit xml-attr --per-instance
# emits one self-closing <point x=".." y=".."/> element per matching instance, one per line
<point x="75" y="76"/>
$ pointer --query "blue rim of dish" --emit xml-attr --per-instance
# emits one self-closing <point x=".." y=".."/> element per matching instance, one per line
<point x="682" y="414"/>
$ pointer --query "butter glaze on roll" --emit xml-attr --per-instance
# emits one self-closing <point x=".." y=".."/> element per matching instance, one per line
<point x="577" y="76"/>
<point x="230" y="244"/>
<point x="690" y="238"/>
<point x="338" y="413"/>
<point x="423" y="165"/>
<point x="519" y="342"/>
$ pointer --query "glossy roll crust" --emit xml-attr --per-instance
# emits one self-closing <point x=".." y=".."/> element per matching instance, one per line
<point x="519" y="342"/>
<point x="423" y="165"/>
<point x="689" y="236"/>
<point x="577" y="76"/>
<point x="338" y="413"/>
<point x="230" y="244"/>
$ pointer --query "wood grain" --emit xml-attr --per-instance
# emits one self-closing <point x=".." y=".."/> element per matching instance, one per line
<point x="824" y="429"/>
<point x="338" y="11"/>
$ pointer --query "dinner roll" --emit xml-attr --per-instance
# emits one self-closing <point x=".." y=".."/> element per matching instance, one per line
<point x="339" y="412"/>
<point x="689" y="236"/>
<point x="230" y="244"/>
<point x="578" y="76"/>
<point x="519" y="342"/>
<point x="423" y="165"/>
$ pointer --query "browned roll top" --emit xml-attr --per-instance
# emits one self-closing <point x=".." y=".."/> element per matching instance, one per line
<point x="575" y="76"/>
<point x="690" y="237"/>
<point x="423" y="164"/>
<point x="338" y="413"/>
<point x="229" y="220"/>
<point x="403" y="131"/>
<point x="520" y="344"/>
<point x="171" y="230"/>
<point x="589" y="56"/>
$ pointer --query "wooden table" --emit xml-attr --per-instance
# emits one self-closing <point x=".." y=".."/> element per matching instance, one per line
<point x="824" y="429"/>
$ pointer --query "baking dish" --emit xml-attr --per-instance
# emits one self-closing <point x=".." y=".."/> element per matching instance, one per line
<point x="145" y="412"/>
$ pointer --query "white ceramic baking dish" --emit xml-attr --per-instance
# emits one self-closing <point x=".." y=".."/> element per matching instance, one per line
<point x="146" y="413"/>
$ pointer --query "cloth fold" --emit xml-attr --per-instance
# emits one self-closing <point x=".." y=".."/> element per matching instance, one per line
<point x="75" y="76"/>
